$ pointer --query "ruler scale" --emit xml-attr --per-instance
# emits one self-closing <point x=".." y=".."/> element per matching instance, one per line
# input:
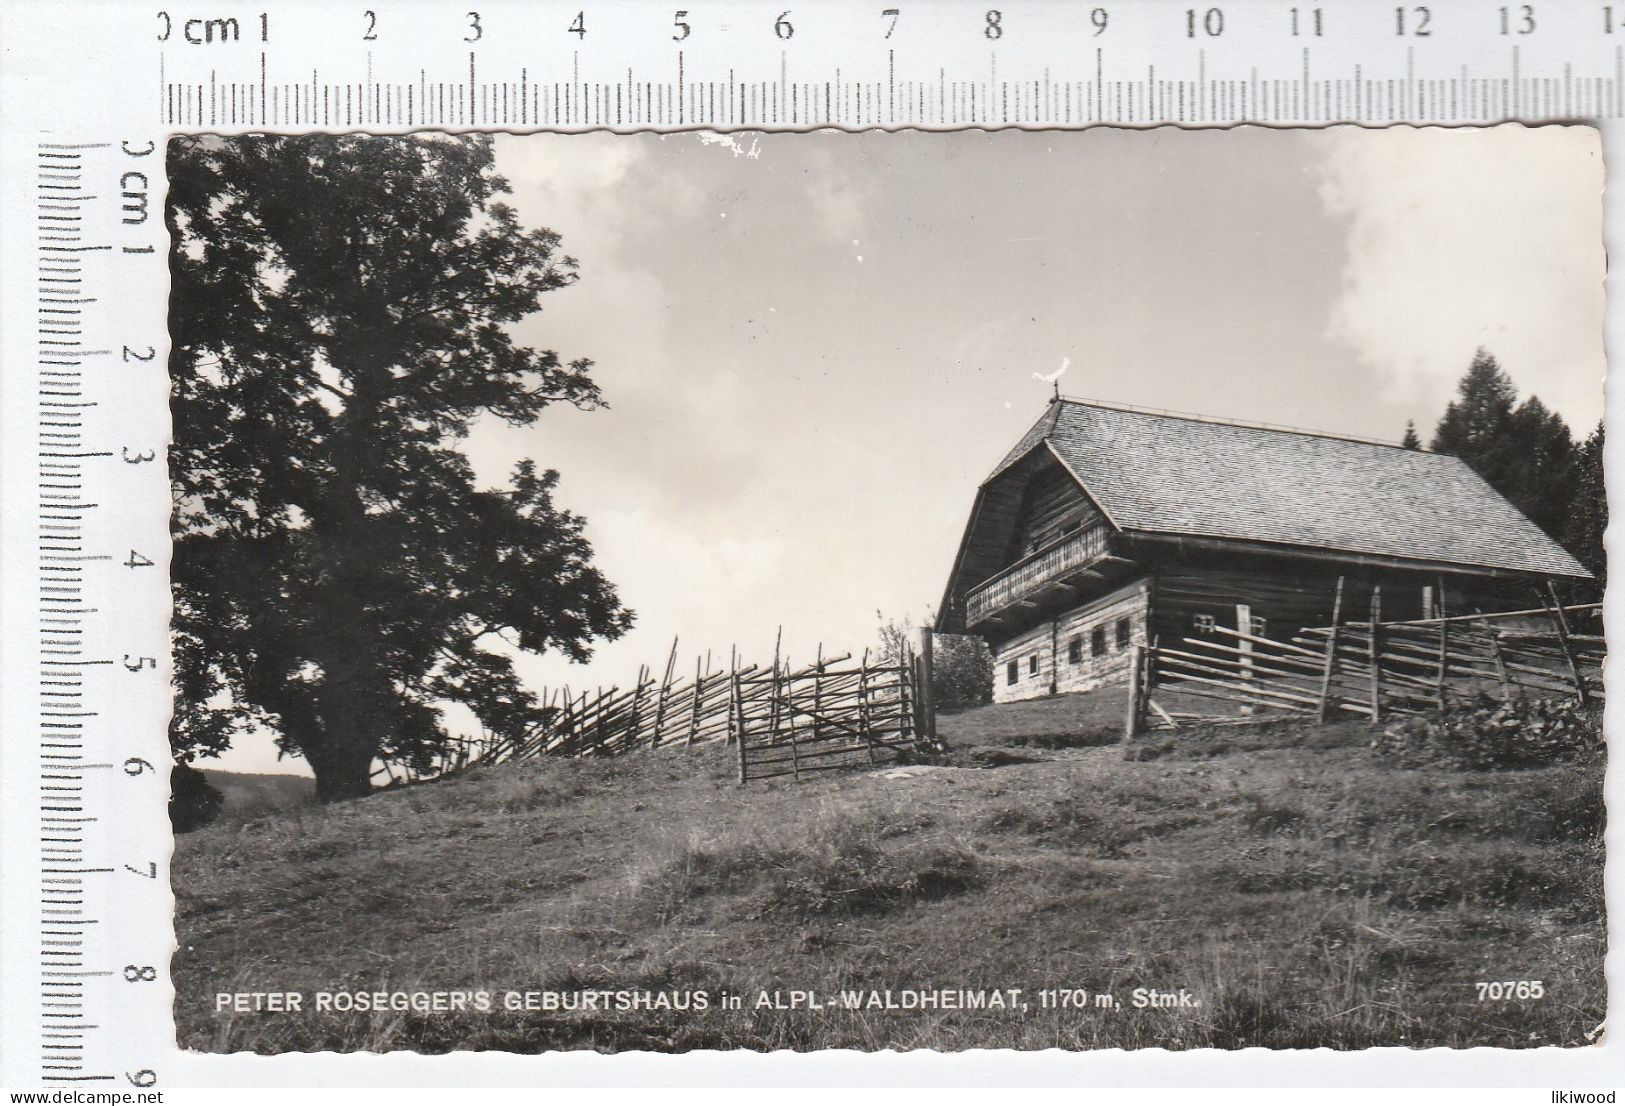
<point x="64" y="921"/>
<point x="641" y="101"/>
<point x="645" y="65"/>
<point x="92" y="90"/>
<point x="90" y="271"/>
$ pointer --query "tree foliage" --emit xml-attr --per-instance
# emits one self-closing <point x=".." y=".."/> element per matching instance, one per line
<point x="1522" y="450"/>
<point x="962" y="665"/>
<point x="338" y="314"/>
<point x="1474" y="424"/>
<point x="194" y="802"/>
<point x="1588" y="510"/>
<point x="1526" y="452"/>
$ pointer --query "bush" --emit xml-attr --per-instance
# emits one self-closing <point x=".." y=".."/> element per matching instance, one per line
<point x="962" y="673"/>
<point x="849" y="873"/>
<point x="193" y="801"/>
<point x="1484" y="733"/>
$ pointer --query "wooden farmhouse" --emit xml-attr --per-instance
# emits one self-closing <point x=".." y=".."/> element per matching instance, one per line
<point x="1106" y="528"/>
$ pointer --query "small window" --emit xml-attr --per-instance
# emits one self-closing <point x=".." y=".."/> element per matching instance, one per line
<point x="1124" y="634"/>
<point x="1012" y="672"/>
<point x="1259" y="627"/>
<point x="1032" y="665"/>
<point x="1097" y="642"/>
<point x="1204" y="624"/>
<point x="1074" y="651"/>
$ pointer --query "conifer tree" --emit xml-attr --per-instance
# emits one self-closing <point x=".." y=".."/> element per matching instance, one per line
<point x="1588" y="511"/>
<point x="1522" y="450"/>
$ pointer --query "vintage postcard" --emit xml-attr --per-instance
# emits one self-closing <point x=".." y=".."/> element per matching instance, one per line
<point x="1108" y="589"/>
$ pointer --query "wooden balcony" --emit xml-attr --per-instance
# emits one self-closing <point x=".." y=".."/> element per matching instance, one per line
<point x="1059" y="568"/>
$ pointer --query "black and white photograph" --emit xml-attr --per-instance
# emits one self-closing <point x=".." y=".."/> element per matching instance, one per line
<point x="1020" y="589"/>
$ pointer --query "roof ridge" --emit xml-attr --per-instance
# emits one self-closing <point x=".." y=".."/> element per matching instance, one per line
<point x="1214" y="420"/>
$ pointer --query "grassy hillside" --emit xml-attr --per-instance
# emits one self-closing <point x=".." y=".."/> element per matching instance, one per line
<point x="1299" y="890"/>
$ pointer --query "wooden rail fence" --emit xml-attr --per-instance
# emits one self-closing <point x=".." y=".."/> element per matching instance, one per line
<point x="1369" y="669"/>
<point x="783" y="720"/>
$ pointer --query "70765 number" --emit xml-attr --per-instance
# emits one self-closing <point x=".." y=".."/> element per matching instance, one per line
<point x="1511" y="989"/>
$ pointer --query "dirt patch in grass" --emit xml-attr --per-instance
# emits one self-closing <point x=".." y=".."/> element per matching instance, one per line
<point x="1054" y="722"/>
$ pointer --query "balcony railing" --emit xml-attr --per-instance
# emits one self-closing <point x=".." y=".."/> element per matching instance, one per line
<point x="1067" y="557"/>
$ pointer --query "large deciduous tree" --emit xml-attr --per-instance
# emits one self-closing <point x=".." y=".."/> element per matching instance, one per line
<point x="338" y="317"/>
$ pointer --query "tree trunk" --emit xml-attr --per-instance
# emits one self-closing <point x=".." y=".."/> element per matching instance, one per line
<point x="343" y="766"/>
<point x="352" y="705"/>
<point x="356" y="696"/>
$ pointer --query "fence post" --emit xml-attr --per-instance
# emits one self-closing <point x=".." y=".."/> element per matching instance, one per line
<point x="1562" y="624"/>
<point x="694" y="703"/>
<point x="773" y="703"/>
<point x="925" y="694"/>
<point x="637" y="698"/>
<point x="733" y="689"/>
<point x="863" y="708"/>
<point x="1444" y="663"/>
<point x="566" y="723"/>
<point x="1444" y="646"/>
<point x="1500" y="661"/>
<point x="818" y="693"/>
<point x="578" y="744"/>
<point x="1374" y="654"/>
<point x="665" y="691"/>
<point x="736" y="721"/>
<point x="1330" y="667"/>
<point x="1136" y="678"/>
<point x="790" y="711"/>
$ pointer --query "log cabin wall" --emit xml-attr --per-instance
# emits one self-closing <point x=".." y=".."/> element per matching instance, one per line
<point x="1052" y="505"/>
<point x="1284" y="595"/>
<point x="1081" y="649"/>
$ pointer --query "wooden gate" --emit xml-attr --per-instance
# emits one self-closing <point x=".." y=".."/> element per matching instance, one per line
<point x="793" y="722"/>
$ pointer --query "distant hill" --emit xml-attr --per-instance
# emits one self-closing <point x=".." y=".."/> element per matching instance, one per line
<point x="256" y="794"/>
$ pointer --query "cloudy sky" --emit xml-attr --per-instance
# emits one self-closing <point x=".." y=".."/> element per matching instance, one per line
<point x="815" y="346"/>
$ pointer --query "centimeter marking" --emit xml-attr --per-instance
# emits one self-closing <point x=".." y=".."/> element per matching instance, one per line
<point x="64" y="709"/>
<point x="1079" y="96"/>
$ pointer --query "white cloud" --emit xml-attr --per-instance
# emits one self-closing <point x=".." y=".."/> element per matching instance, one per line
<point x="1472" y="238"/>
<point x="575" y="171"/>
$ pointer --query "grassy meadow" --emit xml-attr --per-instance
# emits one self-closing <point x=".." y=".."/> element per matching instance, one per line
<point x="1300" y="890"/>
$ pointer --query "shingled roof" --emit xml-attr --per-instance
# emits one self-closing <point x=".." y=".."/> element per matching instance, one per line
<point x="1170" y="474"/>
